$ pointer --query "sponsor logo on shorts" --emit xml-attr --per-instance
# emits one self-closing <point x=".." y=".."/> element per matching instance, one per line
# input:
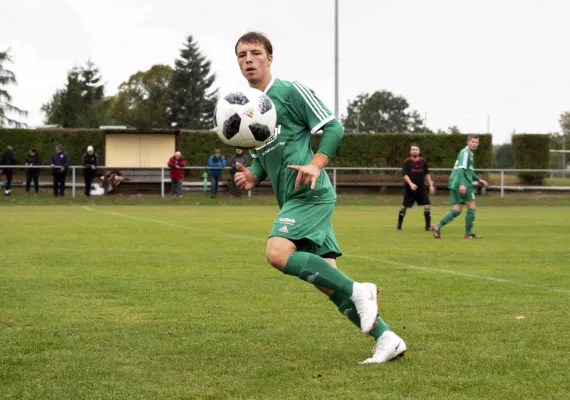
<point x="287" y="221"/>
<point x="283" y="229"/>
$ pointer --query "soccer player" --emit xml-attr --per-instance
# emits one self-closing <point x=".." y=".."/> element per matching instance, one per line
<point x="415" y="174"/>
<point x="461" y="190"/>
<point x="302" y="242"/>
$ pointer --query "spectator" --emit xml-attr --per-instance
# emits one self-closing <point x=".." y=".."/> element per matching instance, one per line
<point x="59" y="166"/>
<point x="112" y="179"/>
<point x="33" y="159"/>
<point x="216" y="162"/>
<point x="8" y="158"/>
<point x="242" y="159"/>
<point x="90" y="164"/>
<point x="176" y="165"/>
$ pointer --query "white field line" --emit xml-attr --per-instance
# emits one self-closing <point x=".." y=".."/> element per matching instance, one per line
<point x="376" y="259"/>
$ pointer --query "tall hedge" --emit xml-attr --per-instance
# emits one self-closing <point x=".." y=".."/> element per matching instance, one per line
<point x="531" y="152"/>
<point x="356" y="150"/>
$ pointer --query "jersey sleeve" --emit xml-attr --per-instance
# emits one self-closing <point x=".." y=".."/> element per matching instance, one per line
<point x="256" y="167"/>
<point x="463" y="159"/>
<point x="407" y="169"/>
<point x="426" y="169"/>
<point x="311" y="110"/>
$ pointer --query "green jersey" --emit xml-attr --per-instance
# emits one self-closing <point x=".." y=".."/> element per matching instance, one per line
<point x="463" y="171"/>
<point x="299" y="113"/>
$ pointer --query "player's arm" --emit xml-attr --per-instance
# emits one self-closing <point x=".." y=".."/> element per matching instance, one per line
<point x="259" y="173"/>
<point x="407" y="171"/>
<point x="316" y="116"/>
<point x="428" y="177"/>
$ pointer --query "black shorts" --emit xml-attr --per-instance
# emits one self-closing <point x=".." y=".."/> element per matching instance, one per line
<point x="420" y="196"/>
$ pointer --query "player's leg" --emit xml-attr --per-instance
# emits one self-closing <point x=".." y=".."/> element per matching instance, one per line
<point x="423" y="200"/>
<point x="408" y="202"/>
<point x="457" y="206"/>
<point x="470" y="219"/>
<point x="388" y="345"/>
<point x="302" y="223"/>
<point x="427" y="217"/>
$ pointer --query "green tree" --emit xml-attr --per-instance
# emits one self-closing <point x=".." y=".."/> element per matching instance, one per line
<point x="503" y="156"/>
<point x="82" y="103"/>
<point x="8" y="77"/>
<point x="144" y="100"/>
<point x="382" y="111"/>
<point x="193" y="100"/>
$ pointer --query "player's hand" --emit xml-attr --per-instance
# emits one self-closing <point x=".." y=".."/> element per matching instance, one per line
<point x="413" y="186"/>
<point x="483" y="182"/>
<point x="431" y="189"/>
<point x="462" y="189"/>
<point x="307" y="174"/>
<point x="244" y="178"/>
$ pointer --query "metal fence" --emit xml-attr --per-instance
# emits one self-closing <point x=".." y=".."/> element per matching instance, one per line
<point x="155" y="180"/>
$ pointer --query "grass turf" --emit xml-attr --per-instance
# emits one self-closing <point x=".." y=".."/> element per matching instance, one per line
<point x="133" y="302"/>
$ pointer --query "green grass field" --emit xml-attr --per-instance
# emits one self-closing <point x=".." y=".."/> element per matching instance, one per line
<point x="176" y="301"/>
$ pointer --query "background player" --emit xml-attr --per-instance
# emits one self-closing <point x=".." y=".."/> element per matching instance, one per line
<point x="461" y="190"/>
<point x="416" y="172"/>
<point x="302" y="242"/>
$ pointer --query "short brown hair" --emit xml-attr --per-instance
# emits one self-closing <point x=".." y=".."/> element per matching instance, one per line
<point x="414" y="145"/>
<point x="256" y="38"/>
<point x="469" y="137"/>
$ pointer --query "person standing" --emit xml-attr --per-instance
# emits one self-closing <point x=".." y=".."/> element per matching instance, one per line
<point x="216" y="162"/>
<point x="176" y="165"/>
<point x="461" y="190"/>
<point x="90" y="164"/>
<point x="32" y="174"/>
<point x="8" y="158"/>
<point x="59" y="164"/>
<point x="416" y="172"/>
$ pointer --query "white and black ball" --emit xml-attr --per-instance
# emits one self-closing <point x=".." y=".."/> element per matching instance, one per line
<point x="245" y="118"/>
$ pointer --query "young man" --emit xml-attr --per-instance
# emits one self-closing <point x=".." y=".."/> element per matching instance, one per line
<point x="302" y="242"/>
<point x="461" y="190"/>
<point x="415" y="174"/>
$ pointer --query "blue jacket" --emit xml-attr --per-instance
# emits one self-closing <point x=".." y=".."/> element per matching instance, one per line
<point x="60" y="160"/>
<point x="216" y="162"/>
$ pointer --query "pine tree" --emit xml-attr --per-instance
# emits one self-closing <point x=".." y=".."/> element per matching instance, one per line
<point x="82" y="103"/>
<point x="193" y="101"/>
<point x="7" y="77"/>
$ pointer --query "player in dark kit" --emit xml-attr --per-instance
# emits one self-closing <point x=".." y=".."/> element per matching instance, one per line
<point x="416" y="172"/>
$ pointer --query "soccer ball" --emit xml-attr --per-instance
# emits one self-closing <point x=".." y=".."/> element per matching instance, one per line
<point x="245" y="118"/>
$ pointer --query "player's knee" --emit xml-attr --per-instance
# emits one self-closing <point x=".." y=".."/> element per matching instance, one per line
<point x="278" y="252"/>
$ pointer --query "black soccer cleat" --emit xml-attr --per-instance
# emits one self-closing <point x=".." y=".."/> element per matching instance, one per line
<point x="399" y="227"/>
<point x="428" y="228"/>
<point x="473" y="236"/>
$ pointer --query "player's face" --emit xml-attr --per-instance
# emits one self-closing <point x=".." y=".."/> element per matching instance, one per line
<point x="254" y="62"/>
<point x="473" y="144"/>
<point x="415" y="151"/>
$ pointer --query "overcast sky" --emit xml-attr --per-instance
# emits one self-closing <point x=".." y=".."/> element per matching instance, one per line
<point x="455" y="60"/>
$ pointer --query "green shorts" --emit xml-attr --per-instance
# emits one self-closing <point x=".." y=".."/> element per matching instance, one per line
<point x="457" y="198"/>
<point x="308" y="226"/>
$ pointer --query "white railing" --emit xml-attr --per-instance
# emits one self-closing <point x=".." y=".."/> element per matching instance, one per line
<point x="164" y="175"/>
